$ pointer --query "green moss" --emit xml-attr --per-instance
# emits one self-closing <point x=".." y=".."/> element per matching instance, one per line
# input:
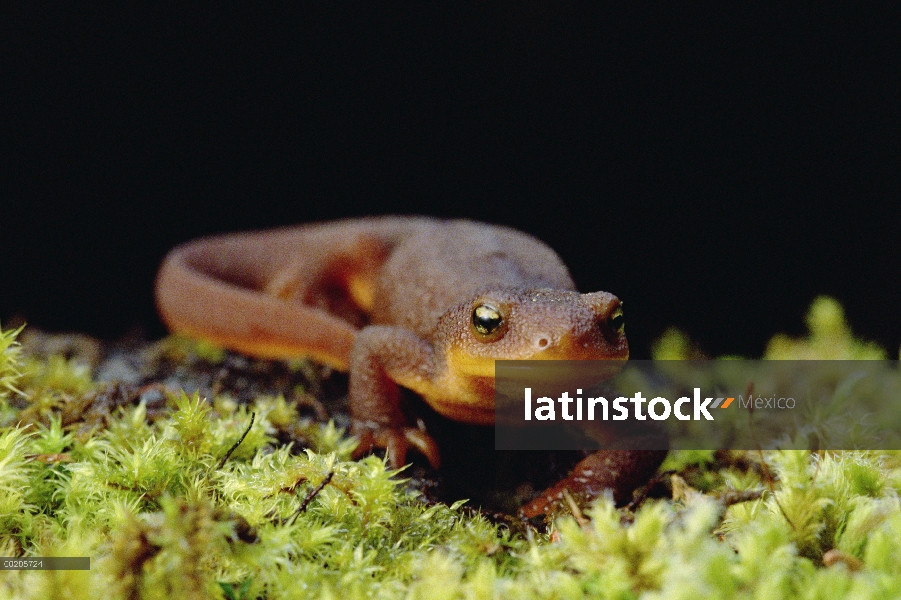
<point x="161" y="516"/>
<point x="674" y="344"/>
<point x="10" y="369"/>
<point x="829" y="337"/>
<point x="180" y="348"/>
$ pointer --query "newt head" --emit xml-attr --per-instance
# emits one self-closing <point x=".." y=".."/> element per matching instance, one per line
<point x="530" y="325"/>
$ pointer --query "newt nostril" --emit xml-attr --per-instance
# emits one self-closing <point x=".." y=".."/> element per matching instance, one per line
<point x="543" y="342"/>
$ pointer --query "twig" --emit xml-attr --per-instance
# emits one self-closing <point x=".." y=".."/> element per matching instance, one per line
<point x="238" y="443"/>
<point x="306" y="501"/>
<point x="766" y="470"/>
<point x="574" y="508"/>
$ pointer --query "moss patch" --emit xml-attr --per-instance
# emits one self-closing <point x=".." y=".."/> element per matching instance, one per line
<point x="133" y="476"/>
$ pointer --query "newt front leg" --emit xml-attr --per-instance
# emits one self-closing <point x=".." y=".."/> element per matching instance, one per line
<point x="620" y="471"/>
<point x="384" y="358"/>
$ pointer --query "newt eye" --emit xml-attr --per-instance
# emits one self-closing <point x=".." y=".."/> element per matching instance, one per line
<point x="486" y="319"/>
<point x="617" y="322"/>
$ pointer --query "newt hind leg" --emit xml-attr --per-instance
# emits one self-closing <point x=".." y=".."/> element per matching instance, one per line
<point x="341" y="281"/>
<point x="299" y="291"/>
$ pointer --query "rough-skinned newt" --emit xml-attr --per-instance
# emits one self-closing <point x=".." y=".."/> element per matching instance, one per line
<point x="403" y="301"/>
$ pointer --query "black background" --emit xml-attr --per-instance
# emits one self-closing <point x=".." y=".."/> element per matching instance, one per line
<point x="716" y="167"/>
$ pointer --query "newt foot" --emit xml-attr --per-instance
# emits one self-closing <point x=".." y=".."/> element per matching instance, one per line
<point x="396" y="441"/>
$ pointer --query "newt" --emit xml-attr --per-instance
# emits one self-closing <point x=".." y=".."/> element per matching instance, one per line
<point x="416" y="302"/>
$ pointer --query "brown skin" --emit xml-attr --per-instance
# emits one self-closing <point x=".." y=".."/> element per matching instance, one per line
<point x="403" y="301"/>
